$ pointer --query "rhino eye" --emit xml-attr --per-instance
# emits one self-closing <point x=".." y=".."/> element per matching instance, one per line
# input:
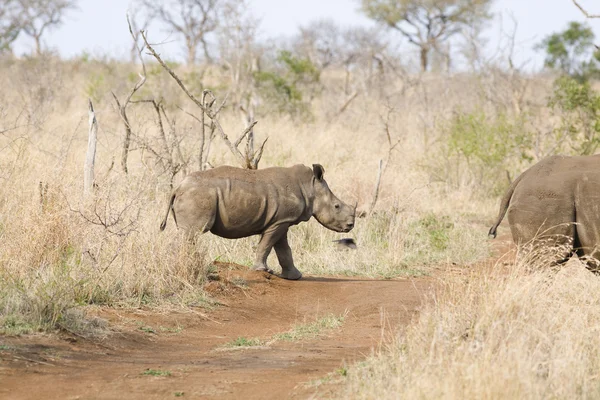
<point x="337" y="206"/>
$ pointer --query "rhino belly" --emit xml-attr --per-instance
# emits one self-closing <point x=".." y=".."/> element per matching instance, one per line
<point x="244" y="216"/>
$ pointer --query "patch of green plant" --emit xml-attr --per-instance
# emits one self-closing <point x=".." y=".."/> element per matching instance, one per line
<point x="176" y="329"/>
<point x="438" y="230"/>
<point x="14" y="325"/>
<point x="245" y="342"/>
<point x="156" y="372"/>
<point x="4" y="347"/>
<point x="95" y="86"/>
<point x="147" y="329"/>
<point x="179" y="394"/>
<point x="311" y="330"/>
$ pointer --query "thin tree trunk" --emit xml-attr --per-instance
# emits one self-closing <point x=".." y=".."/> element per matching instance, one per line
<point x="424" y="58"/>
<point x="38" y="45"/>
<point x="126" y="140"/>
<point x="202" y="134"/>
<point x="90" y="158"/>
<point x="191" y="49"/>
<point x="207" y="58"/>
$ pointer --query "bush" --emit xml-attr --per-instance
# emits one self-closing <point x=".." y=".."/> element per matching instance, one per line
<point x="480" y="152"/>
<point x="578" y="106"/>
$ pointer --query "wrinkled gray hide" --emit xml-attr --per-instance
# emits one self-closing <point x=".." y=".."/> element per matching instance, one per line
<point x="234" y="203"/>
<point x="557" y="199"/>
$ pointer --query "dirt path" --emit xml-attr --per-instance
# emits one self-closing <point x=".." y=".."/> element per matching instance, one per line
<point x="190" y="347"/>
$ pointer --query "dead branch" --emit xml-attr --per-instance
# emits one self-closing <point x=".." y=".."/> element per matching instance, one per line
<point x="588" y="15"/>
<point x="377" y="186"/>
<point x="247" y="131"/>
<point x="123" y="107"/>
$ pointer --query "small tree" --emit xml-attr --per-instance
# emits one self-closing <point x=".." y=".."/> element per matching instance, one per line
<point x="572" y="51"/>
<point x="192" y="19"/>
<point x="578" y="106"/>
<point x="38" y="16"/>
<point x="426" y="23"/>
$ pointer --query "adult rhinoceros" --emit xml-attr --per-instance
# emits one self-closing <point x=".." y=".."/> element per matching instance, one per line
<point x="234" y="203"/>
<point x="557" y="199"/>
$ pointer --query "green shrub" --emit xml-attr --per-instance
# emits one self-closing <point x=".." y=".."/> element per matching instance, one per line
<point x="481" y="151"/>
<point x="578" y="106"/>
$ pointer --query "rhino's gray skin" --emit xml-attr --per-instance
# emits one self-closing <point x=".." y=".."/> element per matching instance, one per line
<point x="234" y="203"/>
<point x="556" y="199"/>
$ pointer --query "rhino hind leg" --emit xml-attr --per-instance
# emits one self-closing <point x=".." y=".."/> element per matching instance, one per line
<point x="196" y="227"/>
<point x="284" y="255"/>
<point x="552" y="234"/>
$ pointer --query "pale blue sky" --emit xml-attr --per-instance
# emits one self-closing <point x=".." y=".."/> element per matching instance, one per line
<point x="99" y="27"/>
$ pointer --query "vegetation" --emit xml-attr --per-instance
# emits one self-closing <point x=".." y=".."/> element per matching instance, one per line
<point x="521" y="331"/>
<point x="156" y="372"/>
<point x="339" y="96"/>
<point x="312" y="329"/>
<point x="572" y="52"/>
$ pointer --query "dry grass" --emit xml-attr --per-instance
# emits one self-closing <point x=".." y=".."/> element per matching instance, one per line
<point x="522" y="331"/>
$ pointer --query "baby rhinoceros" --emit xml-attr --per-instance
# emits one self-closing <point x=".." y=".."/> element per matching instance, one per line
<point x="234" y="203"/>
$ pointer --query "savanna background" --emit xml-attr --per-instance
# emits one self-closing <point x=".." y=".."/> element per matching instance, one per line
<point x="418" y="118"/>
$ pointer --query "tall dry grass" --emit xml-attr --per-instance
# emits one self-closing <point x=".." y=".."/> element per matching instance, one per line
<point x="526" y="331"/>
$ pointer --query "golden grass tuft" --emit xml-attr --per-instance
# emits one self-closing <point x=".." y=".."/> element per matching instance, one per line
<point x="522" y="331"/>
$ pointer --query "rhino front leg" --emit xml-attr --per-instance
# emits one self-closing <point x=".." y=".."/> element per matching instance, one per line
<point x="266" y="243"/>
<point x="284" y="255"/>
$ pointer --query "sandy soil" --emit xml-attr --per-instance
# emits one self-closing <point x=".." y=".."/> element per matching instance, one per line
<point x="190" y="345"/>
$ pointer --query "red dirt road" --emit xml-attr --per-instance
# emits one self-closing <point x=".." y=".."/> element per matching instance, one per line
<point x="51" y="367"/>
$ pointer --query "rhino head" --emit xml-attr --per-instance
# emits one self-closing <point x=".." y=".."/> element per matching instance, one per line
<point x="330" y="211"/>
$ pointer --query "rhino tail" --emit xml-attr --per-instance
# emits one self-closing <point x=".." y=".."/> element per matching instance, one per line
<point x="504" y="205"/>
<point x="169" y="208"/>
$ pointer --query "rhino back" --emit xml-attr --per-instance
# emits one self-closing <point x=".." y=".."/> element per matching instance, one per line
<point x="556" y="177"/>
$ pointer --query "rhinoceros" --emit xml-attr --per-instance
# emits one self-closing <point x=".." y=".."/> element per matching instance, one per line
<point x="556" y="201"/>
<point x="235" y="203"/>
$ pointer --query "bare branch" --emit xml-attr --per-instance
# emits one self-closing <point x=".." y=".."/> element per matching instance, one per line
<point x="258" y="155"/>
<point x="123" y="107"/>
<point x="246" y="132"/>
<point x="588" y="15"/>
<point x="377" y="186"/>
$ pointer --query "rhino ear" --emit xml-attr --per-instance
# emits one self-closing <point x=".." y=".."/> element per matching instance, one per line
<point x="318" y="170"/>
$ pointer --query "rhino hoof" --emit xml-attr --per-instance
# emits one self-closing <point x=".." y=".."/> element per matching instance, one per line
<point x="265" y="269"/>
<point x="291" y="275"/>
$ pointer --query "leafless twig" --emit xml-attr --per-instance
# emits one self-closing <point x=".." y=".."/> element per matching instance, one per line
<point x="588" y="15"/>
<point x="377" y="185"/>
<point x="123" y="107"/>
